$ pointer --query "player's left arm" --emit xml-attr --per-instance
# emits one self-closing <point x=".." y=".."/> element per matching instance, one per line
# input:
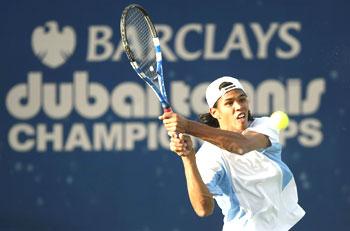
<point x="231" y="141"/>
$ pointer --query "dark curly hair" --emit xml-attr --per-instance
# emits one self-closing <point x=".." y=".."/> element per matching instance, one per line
<point x="208" y="119"/>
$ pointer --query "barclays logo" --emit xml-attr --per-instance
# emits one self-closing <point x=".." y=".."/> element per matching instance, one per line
<point x="53" y="46"/>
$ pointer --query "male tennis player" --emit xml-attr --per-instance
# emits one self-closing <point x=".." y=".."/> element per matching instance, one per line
<point x="239" y="164"/>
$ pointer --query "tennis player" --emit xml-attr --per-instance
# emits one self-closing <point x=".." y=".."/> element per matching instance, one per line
<point x="239" y="164"/>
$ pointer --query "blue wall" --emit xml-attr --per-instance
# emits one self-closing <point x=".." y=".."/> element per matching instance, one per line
<point x="100" y="160"/>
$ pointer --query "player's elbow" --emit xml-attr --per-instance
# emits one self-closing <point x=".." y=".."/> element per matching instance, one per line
<point x="205" y="209"/>
<point x="204" y="212"/>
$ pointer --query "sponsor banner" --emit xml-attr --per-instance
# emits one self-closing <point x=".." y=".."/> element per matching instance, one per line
<point x="80" y="130"/>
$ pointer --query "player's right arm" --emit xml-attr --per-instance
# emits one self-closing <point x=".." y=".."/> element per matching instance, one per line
<point x="201" y="199"/>
<point x="232" y="141"/>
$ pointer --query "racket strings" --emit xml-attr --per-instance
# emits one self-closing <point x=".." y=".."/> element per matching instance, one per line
<point x="141" y="42"/>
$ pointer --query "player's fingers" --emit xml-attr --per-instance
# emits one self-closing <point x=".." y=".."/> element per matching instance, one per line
<point x="167" y="115"/>
<point x="180" y="149"/>
<point x="177" y="147"/>
<point x="188" y="145"/>
<point x="173" y="134"/>
<point x="177" y="141"/>
<point x="179" y="137"/>
<point x="170" y="127"/>
<point x="166" y="121"/>
<point x="184" y="137"/>
<point x="177" y="150"/>
<point x="180" y="145"/>
<point x="187" y="139"/>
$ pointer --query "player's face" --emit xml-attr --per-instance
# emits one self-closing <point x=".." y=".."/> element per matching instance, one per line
<point x="232" y="111"/>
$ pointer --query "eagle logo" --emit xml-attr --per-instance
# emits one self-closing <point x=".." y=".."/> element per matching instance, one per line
<point x="52" y="46"/>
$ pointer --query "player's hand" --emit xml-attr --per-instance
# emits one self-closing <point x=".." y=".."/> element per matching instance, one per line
<point x="181" y="144"/>
<point x="174" y="122"/>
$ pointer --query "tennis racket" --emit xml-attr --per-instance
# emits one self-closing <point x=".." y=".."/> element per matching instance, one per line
<point x="142" y="47"/>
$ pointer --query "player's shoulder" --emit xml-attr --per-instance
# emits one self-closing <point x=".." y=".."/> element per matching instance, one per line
<point x="259" y="121"/>
<point x="264" y="125"/>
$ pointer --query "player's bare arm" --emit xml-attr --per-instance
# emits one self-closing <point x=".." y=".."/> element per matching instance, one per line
<point x="231" y="141"/>
<point x="201" y="199"/>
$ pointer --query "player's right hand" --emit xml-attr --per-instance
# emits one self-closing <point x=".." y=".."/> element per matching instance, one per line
<point x="181" y="144"/>
<point x="173" y="122"/>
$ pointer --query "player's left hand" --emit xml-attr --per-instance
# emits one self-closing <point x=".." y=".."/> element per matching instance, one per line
<point x="174" y="122"/>
<point x="181" y="144"/>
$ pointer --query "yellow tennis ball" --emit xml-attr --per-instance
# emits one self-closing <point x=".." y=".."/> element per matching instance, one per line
<point x="280" y="120"/>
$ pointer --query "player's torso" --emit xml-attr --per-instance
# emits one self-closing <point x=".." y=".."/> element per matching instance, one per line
<point x="256" y="179"/>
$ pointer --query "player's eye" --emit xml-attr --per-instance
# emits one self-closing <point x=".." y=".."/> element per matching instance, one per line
<point x="242" y="99"/>
<point x="228" y="103"/>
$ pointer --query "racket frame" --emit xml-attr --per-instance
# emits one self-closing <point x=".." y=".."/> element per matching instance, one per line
<point x="160" y="89"/>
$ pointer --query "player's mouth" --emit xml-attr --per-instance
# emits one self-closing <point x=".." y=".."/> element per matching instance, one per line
<point x="241" y="116"/>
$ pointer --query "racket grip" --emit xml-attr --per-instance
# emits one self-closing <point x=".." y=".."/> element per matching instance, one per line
<point x="168" y="109"/>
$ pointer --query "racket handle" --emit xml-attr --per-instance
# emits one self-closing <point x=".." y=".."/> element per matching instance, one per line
<point x="168" y="109"/>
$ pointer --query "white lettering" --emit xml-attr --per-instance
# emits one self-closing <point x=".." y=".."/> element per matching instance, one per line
<point x="128" y="100"/>
<point x="105" y="138"/>
<point x="294" y="96"/>
<point x="78" y="138"/>
<point x="290" y="40"/>
<point x="14" y="138"/>
<point x="209" y="43"/>
<point x="270" y="90"/>
<point x="198" y="103"/>
<point x="180" y="102"/>
<point x="180" y="39"/>
<point x="43" y="137"/>
<point x="23" y="101"/>
<point x="290" y="132"/>
<point x="315" y="89"/>
<point x="263" y="39"/>
<point x="92" y="99"/>
<point x="100" y="47"/>
<point x="173" y="43"/>
<point x="311" y="133"/>
<point x="134" y="132"/>
<point x="238" y="40"/>
<point x="165" y="35"/>
<point x="58" y="106"/>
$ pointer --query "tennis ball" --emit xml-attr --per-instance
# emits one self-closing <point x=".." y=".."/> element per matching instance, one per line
<point x="280" y="120"/>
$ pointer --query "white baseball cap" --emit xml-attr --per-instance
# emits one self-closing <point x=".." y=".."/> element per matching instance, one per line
<point x="214" y="93"/>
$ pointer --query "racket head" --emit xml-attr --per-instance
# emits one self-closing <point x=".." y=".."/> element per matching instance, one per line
<point x="138" y="34"/>
<point x="141" y="44"/>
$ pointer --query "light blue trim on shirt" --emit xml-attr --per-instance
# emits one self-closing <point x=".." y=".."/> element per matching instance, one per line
<point x="222" y="189"/>
<point x="263" y="125"/>
<point x="274" y="153"/>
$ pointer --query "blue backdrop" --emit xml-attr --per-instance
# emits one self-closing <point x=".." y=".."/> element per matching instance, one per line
<point x="82" y="149"/>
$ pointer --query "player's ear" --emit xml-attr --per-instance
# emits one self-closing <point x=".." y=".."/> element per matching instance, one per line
<point x="214" y="112"/>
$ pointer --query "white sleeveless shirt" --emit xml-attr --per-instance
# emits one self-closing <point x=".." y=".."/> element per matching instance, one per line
<point x="255" y="191"/>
